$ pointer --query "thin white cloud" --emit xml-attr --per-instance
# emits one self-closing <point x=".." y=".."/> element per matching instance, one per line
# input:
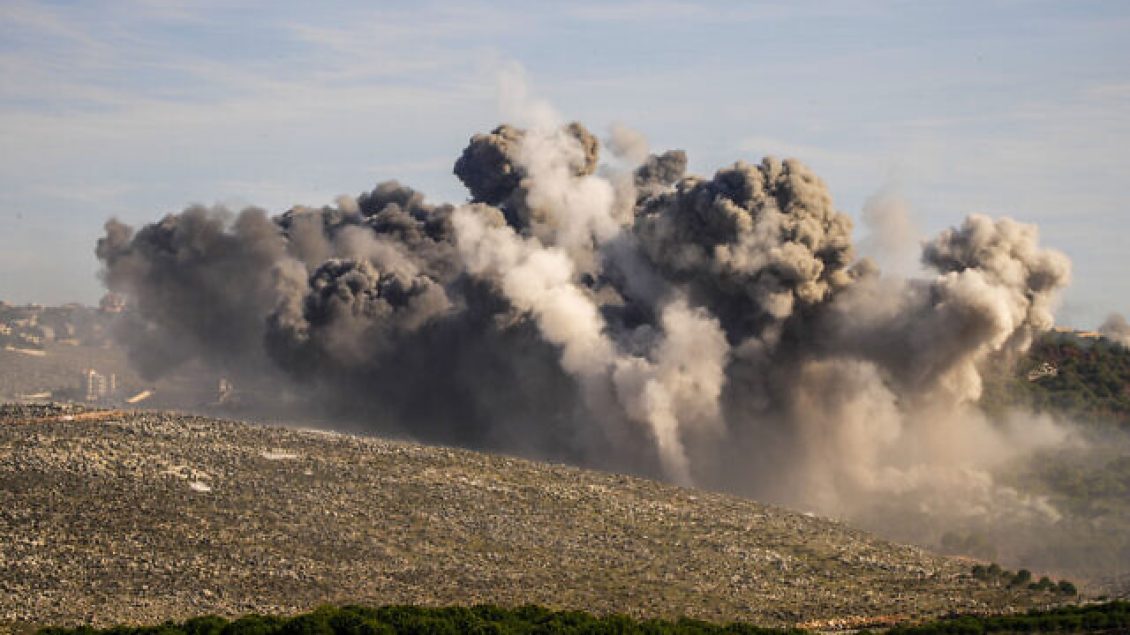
<point x="707" y="12"/>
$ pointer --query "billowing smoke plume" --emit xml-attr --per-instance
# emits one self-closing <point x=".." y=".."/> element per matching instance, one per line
<point x="893" y="237"/>
<point x="713" y="331"/>
<point x="1116" y="328"/>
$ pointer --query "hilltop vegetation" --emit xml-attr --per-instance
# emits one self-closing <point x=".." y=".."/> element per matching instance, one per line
<point x="1083" y="380"/>
<point x="1111" y="617"/>
<point x="1087" y="379"/>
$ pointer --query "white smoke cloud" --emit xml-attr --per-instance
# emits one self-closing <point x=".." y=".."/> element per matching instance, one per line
<point x="893" y="236"/>
<point x="1116" y="328"/>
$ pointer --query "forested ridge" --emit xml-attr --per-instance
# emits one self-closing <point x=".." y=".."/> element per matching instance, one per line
<point x="1084" y="378"/>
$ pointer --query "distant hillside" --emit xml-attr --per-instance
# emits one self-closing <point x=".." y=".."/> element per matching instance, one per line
<point x="1085" y="377"/>
<point x="32" y="326"/>
<point x="128" y="516"/>
<point x="68" y="354"/>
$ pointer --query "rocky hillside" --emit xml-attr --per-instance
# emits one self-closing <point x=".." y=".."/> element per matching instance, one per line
<point x="111" y="516"/>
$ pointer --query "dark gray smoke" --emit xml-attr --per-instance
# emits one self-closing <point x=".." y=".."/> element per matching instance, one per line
<point x="200" y="282"/>
<point x="716" y="331"/>
<point x="754" y="245"/>
<point x="659" y="173"/>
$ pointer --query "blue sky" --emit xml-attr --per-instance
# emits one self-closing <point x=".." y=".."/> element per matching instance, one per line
<point x="139" y="107"/>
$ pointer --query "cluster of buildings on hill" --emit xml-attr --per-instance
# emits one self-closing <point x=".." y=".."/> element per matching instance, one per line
<point x="32" y="331"/>
<point x="34" y="326"/>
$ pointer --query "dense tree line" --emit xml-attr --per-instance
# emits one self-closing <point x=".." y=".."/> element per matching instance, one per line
<point x="994" y="574"/>
<point x="414" y="620"/>
<point x="1110" y="617"/>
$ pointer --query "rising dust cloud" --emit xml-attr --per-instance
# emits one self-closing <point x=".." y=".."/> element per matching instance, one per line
<point x="718" y="332"/>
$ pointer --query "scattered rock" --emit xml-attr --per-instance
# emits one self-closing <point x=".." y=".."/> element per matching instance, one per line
<point x="97" y="526"/>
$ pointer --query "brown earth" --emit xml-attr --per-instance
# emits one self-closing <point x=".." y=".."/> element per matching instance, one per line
<point x="116" y="516"/>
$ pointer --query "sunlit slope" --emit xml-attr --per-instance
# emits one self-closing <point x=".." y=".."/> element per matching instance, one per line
<point x="149" y="516"/>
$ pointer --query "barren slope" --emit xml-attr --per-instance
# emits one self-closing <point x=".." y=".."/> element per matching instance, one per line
<point x="146" y="516"/>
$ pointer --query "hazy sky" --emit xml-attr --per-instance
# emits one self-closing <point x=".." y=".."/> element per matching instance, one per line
<point x="136" y="109"/>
